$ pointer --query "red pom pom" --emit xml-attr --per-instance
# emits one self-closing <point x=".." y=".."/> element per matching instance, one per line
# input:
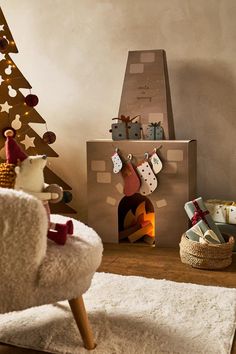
<point x="49" y="137"/>
<point x="31" y="100"/>
<point x="3" y="44"/>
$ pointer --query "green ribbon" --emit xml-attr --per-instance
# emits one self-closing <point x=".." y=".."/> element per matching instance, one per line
<point x="155" y="125"/>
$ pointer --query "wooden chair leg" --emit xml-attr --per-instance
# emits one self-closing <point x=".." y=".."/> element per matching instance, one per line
<point x="81" y="318"/>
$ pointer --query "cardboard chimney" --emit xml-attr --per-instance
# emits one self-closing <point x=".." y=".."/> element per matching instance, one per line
<point x="146" y="90"/>
<point x="145" y="93"/>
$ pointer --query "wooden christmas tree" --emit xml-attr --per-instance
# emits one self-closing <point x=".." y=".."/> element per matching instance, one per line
<point x="17" y="111"/>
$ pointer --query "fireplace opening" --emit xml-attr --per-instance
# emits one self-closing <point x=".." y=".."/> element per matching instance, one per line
<point x="136" y="220"/>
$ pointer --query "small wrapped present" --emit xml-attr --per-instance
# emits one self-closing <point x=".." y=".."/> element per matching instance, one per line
<point x="200" y="232"/>
<point x="196" y="211"/>
<point x="126" y="129"/>
<point x="222" y="211"/>
<point x="154" y="131"/>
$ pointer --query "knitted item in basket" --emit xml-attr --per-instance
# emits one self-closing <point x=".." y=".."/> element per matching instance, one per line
<point x="7" y="175"/>
<point x="206" y="256"/>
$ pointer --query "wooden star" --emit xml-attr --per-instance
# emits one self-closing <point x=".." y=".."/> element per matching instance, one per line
<point x="28" y="142"/>
<point x="1" y="28"/>
<point x="2" y="57"/>
<point x="5" y="107"/>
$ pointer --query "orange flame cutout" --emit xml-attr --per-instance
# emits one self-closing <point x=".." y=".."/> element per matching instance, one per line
<point x="140" y="217"/>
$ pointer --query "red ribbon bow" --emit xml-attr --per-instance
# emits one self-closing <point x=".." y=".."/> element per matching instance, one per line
<point x="199" y="214"/>
<point x="126" y="119"/>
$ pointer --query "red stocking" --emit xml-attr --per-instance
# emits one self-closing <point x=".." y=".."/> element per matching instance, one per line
<point x="131" y="180"/>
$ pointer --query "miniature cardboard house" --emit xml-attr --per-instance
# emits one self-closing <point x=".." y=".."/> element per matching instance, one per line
<point x="107" y="204"/>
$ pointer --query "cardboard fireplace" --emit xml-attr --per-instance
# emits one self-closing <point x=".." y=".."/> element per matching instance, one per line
<point x="137" y="188"/>
<point x="159" y="216"/>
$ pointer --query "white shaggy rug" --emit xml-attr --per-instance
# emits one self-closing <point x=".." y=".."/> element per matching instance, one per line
<point x="132" y="315"/>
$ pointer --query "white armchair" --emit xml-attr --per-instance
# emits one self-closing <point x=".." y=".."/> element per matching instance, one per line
<point x="36" y="271"/>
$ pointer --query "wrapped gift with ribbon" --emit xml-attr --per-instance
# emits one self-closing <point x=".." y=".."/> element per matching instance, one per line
<point x="154" y="131"/>
<point x="126" y="128"/>
<point x="196" y="211"/>
<point x="200" y="232"/>
<point x="222" y="211"/>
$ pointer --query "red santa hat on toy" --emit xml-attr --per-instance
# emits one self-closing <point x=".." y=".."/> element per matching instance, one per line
<point x="14" y="153"/>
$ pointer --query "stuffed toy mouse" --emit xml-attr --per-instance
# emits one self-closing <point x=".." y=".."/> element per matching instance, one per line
<point x="25" y="173"/>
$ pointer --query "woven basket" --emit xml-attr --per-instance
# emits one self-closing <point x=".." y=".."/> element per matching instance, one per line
<point x="206" y="256"/>
<point x="7" y="175"/>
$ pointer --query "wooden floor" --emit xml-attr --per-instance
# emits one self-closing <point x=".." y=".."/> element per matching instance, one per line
<point x="153" y="263"/>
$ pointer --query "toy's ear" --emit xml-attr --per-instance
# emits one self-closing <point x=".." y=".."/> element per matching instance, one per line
<point x="17" y="170"/>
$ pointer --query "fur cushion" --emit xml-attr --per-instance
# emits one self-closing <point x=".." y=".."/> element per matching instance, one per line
<point x="34" y="270"/>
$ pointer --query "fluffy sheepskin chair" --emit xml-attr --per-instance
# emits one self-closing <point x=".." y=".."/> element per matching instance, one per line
<point x="36" y="271"/>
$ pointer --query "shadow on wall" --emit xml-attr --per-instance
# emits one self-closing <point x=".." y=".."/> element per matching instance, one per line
<point x="204" y="101"/>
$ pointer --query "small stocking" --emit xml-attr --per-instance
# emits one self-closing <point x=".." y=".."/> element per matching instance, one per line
<point x="131" y="180"/>
<point x="116" y="162"/>
<point x="148" y="179"/>
<point x="156" y="163"/>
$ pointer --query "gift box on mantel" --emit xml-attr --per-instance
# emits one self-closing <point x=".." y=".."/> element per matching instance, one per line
<point x="196" y="211"/>
<point x="222" y="211"/>
<point x="154" y="131"/>
<point x="126" y="129"/>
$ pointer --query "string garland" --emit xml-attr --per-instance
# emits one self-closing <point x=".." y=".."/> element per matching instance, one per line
<point x="138" y="155"/>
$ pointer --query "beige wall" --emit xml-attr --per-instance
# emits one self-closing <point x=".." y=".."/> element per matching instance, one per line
<point x="74" y="54"/>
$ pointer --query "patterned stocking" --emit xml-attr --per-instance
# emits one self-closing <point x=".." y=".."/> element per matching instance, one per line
<point x="148" y="179"/>
<point x="116" y="162"/>
<point x="156" y="163"/>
